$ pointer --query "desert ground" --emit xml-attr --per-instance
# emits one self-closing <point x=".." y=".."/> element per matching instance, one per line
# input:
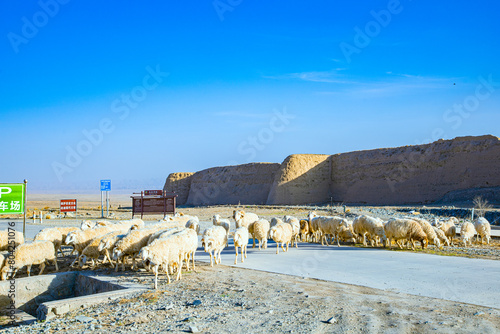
<point x="228" y="299"/>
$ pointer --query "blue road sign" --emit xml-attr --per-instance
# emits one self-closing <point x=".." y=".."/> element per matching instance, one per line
<point x="105" y="185"/>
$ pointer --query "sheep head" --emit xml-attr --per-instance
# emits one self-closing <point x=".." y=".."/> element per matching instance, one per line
<point x="117" y="254"/>
<point x="144" y="253"/>
<point x="70" y="238"/>
<point x="87" y="224"/>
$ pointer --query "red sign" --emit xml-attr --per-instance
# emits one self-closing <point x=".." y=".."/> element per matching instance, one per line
<point x="68" y="205"/>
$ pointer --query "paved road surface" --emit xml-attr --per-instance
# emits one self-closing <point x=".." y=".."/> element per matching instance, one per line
<point x="473" y="281"/>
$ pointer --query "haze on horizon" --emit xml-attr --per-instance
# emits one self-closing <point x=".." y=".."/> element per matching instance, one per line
<point x="133" y="92"/>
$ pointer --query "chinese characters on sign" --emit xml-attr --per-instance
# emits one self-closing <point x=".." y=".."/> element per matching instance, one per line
<point x="68" y="205"/>
<point x="12" y="198"/>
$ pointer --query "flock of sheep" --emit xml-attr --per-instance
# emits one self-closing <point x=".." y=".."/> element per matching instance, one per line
<point x="172" y="242"/>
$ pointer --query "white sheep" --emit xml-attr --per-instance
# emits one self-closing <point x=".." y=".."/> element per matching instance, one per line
<point x="64" y="231"/>
<point x="332" y="226"/>
<point x="218" y="221"/>
<point x="281" y="234"/>
<point x="404" y="229"/>
<point x="346" y="233"/>
<point x="189" y="243"/>
<point x="164" y="232"/>
<point x="35" y="253"/>
<point x="80" y="239"/>
<point x="108" y="242"/>
<point x="295" y="222"/>
<point x="226" y="223"/>
<point x="483" y="230"/>
<point x="88" y="224"/>
<point x="246" y="219"/>
<point x="16" y="238"/>
<point x="53" y="235"/>
<point x="275" y="221"/>
<point x="261" y="232"/>
<point x="314" y="229"/>
<point x="442" y="237"/>
<point x="93" y="251"/>
<point x="194" y="225"/>
<point x="429" y="231"/>
<point x="323" y="226"/>
<point x="167" y="251"/>
<point x="131" y="244"/>
<point x="449" y="228"/>
<point x="467" y="232"/>
<point x="369" y="226"/>
<point x="213" y="241"/>
<point x="180" y="218"/>
<point x="241" y="240"/>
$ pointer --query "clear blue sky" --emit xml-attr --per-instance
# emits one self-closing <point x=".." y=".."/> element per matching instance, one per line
<point x="183" y="86"/>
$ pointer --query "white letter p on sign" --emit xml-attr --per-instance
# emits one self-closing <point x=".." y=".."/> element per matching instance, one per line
<point x="5" y="191"/>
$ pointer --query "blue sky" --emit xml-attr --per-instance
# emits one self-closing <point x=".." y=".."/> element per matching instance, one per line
<point x="133" y="91"/>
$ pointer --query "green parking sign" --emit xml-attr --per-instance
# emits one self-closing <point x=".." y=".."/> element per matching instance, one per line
<point x="12" y="198"/>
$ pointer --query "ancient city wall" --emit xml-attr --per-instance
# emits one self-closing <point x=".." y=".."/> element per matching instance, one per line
<point x="179" y="183"/>
<point x="301" y="179"/>
<point x="416" y="174"/>
<point x="244" y="184"/>
<point x="403" y="175"/>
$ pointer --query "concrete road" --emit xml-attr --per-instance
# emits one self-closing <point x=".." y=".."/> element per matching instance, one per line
<point x="473" y="281"/>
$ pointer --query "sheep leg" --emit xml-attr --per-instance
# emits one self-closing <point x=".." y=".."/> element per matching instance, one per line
<point x="326" y="240"/>
<point x="236" y="258"/>
<point x="28" y="269"/>
<point x="277" y="248"/>
<point x="74" y="261"/>
<point x="296" y="242"/>
<point x="253" y="241"/>
<point x="188" y="256"/>
<point x="155" y="270"/>
<point x="42" y="267"/>
<point x="220" y="259"/>
<point x="211" y="263"/>
<point x="123" y="262"/>
<point x="55" y="263"/>
<point x="179" y="271"/>
<point x="117" y="264"/>
<point x="192" y="258"/>
<point x="168" y="277"/>
<point x="106" y="255"/>
<point x="245" y="252"/>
